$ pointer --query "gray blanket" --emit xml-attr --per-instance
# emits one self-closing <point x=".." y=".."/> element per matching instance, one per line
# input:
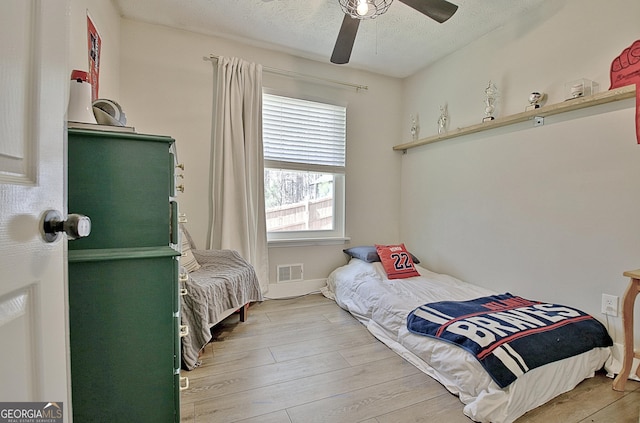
<point x="225" y="281"/>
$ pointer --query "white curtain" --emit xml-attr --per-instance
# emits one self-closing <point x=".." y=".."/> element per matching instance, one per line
<point x="237" y="219"/>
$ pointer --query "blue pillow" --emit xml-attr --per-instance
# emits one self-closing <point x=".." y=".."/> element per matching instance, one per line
<point x="369" y="254"/>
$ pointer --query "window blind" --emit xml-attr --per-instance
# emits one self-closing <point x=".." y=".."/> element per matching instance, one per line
<point x="303" y="132"/>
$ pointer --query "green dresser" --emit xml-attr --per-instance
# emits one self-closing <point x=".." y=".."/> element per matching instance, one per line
<point x="123" y="278"/>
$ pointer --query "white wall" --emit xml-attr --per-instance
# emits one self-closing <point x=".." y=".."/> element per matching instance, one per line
<point x="166" y="88"/>
<point x="549" y="212"/>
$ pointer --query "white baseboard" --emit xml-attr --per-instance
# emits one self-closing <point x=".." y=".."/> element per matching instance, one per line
<point x="294" y="289"/>
<point x="614" y="363"/>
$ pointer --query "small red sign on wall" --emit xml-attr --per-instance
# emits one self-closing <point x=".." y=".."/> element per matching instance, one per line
<point x="625" y="70"/>
<point x="95" y="44"/>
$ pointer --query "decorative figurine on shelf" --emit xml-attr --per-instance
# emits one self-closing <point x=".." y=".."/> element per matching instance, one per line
<point x="491" y="94"/>
<point x="535" y="100"/>
<point x="577" y="90"/>
<point x="443" y="120"/>
<point x="415" y="127"/>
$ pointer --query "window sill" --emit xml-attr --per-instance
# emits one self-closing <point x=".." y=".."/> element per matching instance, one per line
<point x="307" y="242"/>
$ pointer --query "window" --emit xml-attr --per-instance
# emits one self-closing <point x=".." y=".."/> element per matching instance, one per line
<point x="304" y="160"/>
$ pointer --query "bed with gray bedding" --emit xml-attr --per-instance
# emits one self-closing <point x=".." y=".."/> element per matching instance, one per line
<point x="224" y="282"/>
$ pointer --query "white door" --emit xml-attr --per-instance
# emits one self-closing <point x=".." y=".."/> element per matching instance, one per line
<point x="34" y="81"/>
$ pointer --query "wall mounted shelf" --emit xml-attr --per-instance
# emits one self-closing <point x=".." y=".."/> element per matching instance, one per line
<point x="552" y="109"/>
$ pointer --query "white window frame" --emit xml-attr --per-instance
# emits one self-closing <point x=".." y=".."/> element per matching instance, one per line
<point x="306" y="237"/>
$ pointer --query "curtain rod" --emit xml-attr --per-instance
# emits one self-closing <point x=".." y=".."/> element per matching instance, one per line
<point x="292" y="74"/>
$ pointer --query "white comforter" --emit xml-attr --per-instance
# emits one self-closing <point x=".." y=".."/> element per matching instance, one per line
<point x="383" y="305"/>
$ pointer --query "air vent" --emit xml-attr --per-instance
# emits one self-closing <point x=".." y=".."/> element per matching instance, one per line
<point x="290" y="273"/>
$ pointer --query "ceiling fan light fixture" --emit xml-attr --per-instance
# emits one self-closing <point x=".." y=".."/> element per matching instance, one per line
<point x="357" y="10"/>
<point x="365" y="9"/>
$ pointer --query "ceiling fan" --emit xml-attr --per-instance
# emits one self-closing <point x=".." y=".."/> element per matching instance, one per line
<point x="357" y="10"/>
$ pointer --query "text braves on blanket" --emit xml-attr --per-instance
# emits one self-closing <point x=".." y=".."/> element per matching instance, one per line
<point x="510" y="335"/>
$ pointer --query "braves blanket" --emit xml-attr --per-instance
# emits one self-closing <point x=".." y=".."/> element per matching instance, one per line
<point x="510" y="335"/>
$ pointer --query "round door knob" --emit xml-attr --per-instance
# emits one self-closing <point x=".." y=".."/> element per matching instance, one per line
<point x="76" y="226"/>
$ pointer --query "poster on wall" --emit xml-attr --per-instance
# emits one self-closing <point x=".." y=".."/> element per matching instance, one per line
<point x="95" y="43"/>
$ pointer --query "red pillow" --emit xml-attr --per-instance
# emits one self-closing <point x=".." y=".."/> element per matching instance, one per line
<point x="396" y="261"/>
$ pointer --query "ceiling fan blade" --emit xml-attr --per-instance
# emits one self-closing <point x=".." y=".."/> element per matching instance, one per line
<point x="346" y="38"/>
<point x="438" y="10"/>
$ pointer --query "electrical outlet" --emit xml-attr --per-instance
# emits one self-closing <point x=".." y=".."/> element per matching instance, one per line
<point x="609" y="305"/>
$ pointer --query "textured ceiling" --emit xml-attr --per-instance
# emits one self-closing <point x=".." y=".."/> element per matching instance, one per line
<point x="397" y="44"/>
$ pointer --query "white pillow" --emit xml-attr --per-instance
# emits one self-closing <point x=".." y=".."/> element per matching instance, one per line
<point x="187" y="259"/>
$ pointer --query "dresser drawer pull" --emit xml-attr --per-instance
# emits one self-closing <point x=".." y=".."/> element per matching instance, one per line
<point x="184" y="383"/>
<point x="184" y="331"/>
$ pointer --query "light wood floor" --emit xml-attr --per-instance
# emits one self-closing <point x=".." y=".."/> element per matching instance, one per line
<point x="306" y="360"/>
